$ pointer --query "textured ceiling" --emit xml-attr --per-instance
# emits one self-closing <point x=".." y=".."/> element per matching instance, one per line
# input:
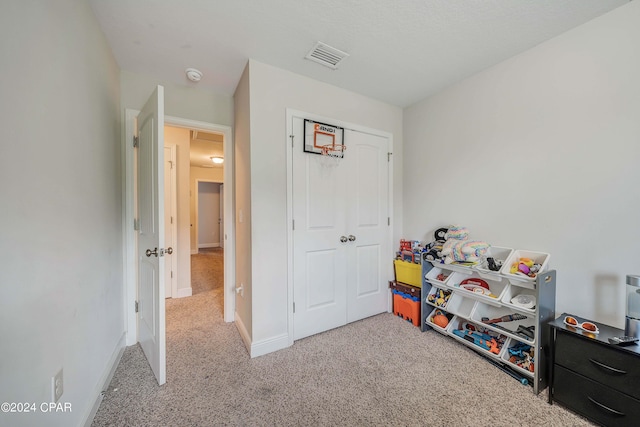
<point x="400" y="51"/>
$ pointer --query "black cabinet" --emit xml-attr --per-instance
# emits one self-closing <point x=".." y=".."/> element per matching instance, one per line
<point x="594" y="378"/>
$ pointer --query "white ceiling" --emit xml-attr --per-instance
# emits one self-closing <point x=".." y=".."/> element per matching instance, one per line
<point x="203" y="146"/>
<point x="400" y="51"/>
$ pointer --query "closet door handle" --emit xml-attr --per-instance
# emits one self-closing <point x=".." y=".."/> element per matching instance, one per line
<point x="606" y="408"/>
<point x="343" y="239"/>
<point x="352" y="238"/>
<point x="608" y="368"/>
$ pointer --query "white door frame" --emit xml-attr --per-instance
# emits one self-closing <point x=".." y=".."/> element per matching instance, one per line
<point x="129" y="235"/>
<point x="291" y="113"/>
<point x="173" y="260"/>
<point x="197" y="195"/>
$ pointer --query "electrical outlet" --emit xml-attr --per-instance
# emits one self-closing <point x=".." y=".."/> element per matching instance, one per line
<point x="56" y="387"/>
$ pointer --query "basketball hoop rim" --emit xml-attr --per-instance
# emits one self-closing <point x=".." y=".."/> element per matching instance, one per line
<point x="329" y="149"/>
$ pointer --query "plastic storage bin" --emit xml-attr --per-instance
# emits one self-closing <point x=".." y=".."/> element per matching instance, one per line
<point x="460" y="306"/>
<point x="468" y="286"/>
<point x="498" y="253"/>
<point x="522" y="361"/>
<point x="432" y="276"/>
<point x="438" y="297"/>
<point x="518" y="328"/>
<point x="519" y="279"/>
<point x="460" y="268"/>
<point x="520" y="299"/>
<point x="408" y="272"/>
<point x="406" y="307"/>
<point x="436" y="311"/>
<point x="477" y="337"/>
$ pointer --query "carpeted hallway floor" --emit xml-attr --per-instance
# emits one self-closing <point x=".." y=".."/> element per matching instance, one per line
<point x="379" y="371"/>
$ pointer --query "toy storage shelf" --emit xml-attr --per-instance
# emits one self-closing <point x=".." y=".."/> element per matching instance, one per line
<point x="465" y="308"/>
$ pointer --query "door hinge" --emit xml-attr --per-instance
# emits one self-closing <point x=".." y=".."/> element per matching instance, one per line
<point x="136" y="141"/>
<point x="172" y="274"/>
<point x="294" y="307"/>
<point x="136" y="224"/>
<point x="171" y="220"/>
<point x="137" y="306"/>
<point x="291" y="136"/>
<point x="389" y="157"/>
<point x="388" y="220"/>
<point x="293" y="224"/>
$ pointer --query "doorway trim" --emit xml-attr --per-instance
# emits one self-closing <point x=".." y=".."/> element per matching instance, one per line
<point x="290" y="114"/>
<point x="129" y="214"/>
<point x="197" y="197"/>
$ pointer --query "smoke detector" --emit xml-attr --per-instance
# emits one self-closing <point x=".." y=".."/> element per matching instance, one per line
<point x="326" y="55"/>
<point x="193" y="74"/>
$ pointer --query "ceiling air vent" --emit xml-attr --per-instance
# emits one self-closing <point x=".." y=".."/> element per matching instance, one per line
<point x="326" y="55"/>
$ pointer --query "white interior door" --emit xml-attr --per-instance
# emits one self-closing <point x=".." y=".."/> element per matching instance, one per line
<point x="150" y="202"/>
<point x="369" y="254"/>
<point x="341" y="239"/>
<point x="319" y="257"/>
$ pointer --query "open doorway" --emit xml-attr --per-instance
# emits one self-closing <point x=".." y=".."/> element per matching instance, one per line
<point x="200" y="170"/>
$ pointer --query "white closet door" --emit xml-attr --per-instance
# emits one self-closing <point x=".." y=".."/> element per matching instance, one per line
<point x="335" y="281"/>
<point x="368" y="256"/>
<point x="319" y="257"/>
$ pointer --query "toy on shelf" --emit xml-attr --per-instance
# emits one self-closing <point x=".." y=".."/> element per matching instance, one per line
<point x="482" y="337"/>
<point x="440" y="319"/>
<point x="439" y="298"/>
<point x="485" y="341"/>
<point x="523" y="356"/>
<point x="507" y="318"/>
<point x="526" y="267"/>
<point x="526" y="332"/>
<point x="434" y="248"/>
<point x="410" y="250"/>
<point x="458" y="248"/>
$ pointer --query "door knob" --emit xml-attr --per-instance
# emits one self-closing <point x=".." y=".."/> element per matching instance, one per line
<point x="150" y="252"/>
<point x="169" y="250"/>
<point x="352" y="238"/>
<point x="343" y="239"/>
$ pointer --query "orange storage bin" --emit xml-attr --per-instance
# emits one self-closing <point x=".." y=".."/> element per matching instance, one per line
<point x="406" y="308"/>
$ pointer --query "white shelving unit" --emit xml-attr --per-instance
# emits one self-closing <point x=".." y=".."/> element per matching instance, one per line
<point x="465" y="307"/>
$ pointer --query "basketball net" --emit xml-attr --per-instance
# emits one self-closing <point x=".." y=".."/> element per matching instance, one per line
<point x="331" y="155"/>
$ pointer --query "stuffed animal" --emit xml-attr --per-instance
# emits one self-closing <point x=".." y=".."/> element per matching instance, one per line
<point x="458" y="248"/>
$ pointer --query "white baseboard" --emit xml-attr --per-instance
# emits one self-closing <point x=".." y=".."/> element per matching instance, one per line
<point x="269" y="345"/>
<point x="184" y="292"/>
<point x="194" y="252"/>
<point x="243" y="333"/>
<point x="105" y="379"/>
<point x="262" y="347"/>
<point x="209" y="245"/>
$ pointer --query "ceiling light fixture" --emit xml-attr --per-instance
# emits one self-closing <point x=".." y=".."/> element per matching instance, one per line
<point x="217" y="160"/>
<point x="193" y="74"/>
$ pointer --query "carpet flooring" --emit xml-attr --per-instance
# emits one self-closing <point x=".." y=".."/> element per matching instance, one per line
<point x="380" y="371"/>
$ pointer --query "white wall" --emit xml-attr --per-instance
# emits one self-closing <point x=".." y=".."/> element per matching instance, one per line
<point x="541" y="152"/>
<point x="181" y="138"/>
<point x="186" y="101"/>
<point x="214" y="174"/>
<point x="61" y="241"/>
<point x="272" y="91"/>
<point x="242" y="192"/>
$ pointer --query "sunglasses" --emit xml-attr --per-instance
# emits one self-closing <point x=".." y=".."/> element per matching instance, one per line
<point x="586" y="326"/>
